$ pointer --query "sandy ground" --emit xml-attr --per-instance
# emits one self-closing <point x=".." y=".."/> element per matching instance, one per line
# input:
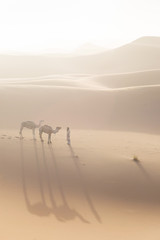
<point x="92" y="189"/>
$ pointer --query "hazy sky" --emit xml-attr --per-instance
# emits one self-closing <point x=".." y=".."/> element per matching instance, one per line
<point x="27" y="25"/>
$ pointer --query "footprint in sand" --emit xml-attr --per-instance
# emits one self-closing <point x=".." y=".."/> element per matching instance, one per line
<point x="9" y="137"/>
<point x="4" y="135"/>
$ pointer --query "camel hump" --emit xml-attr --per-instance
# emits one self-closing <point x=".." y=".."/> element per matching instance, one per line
<point x="28" y="124"/>
<point x="46" y="128"/>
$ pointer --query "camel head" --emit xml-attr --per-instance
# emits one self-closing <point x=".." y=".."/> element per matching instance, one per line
<point x="56" y="130"/>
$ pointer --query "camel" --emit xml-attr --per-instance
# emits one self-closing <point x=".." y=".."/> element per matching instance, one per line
<point x="30" y="125"/>
<point x="47" y="129"/>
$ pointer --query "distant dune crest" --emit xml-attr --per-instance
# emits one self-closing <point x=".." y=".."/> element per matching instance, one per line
<point x="150" y="41"/>
<point x="139" y="55"/>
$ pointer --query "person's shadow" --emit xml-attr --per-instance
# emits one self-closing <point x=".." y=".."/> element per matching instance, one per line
<point x="76" y="161"/>
<point x="143" y="170"/>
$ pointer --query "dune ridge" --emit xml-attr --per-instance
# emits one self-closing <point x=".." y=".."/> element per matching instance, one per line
<point x="133" y="99"/>
<point x="128" y="58"/>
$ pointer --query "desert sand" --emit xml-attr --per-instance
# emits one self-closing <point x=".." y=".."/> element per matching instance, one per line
<point x="91" y="189"/>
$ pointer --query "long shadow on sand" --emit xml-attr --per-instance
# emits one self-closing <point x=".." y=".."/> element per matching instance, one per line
<point x="55" y="209"/>
<point x="143" y="171"/>
<point x="84" y="187"/>
<point x="64" y="211"/>
<point x="38" y="208"/>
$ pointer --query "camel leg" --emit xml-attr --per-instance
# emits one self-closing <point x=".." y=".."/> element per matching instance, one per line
<point x="20" y="132"/>
<point x="40" y="135"/>
<point x="34" y="133"/>
<point x="49" y="138"/>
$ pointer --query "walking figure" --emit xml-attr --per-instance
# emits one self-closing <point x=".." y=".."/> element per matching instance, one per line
<point x="68" y="136"/>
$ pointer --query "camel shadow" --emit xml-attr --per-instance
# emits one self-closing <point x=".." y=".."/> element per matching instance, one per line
<point x="55" y="209"/>
<point x="65" y="211"/>
<point x="39" y="208"/>
<point x="84" y="187"/>
<point x="62" y="212"/>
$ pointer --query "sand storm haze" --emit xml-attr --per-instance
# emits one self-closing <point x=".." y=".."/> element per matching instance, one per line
<point x="92" y="68"/>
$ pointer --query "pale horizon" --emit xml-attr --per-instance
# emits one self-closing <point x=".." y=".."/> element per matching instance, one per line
<point x="35" y="26"/>
<point x="54" y="50"/>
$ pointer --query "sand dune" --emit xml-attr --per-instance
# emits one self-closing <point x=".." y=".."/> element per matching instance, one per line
<point x="128" y="102"/>
<point x="125" y="80"/>
<point x="149" y="41"/>
<point x="128" y="58"/>
<point x="90" y="81"/>
<point x="92" y="189"/>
